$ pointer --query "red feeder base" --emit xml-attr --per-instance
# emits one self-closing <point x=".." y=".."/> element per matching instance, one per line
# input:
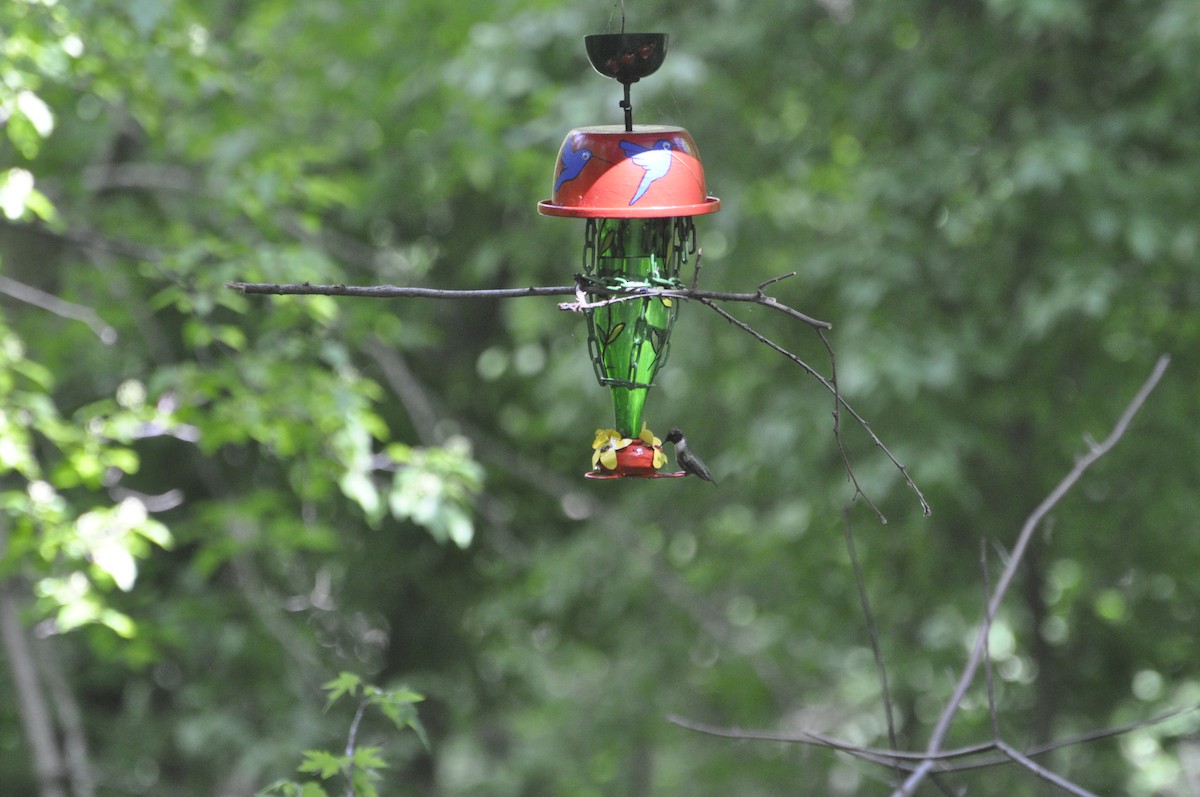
<point x="635" y="461"/>
<point x="612" y="474"/>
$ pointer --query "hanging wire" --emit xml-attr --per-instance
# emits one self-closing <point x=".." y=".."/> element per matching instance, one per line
<point x="614" y="13"/>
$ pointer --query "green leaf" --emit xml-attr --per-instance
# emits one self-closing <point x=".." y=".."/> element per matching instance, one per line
<point x="121" y="624"/>
<point x="358" y="487"/>
<point x="321" y="762"/>
<point x="418" y="728"/>
<point x="288" y="788"/>
<point x="347" y="683"/>
<point x="364" y="785"/>
<point x="458" y="525"/>
<point x="396" y="696"/>
<point x="368" y="758"/>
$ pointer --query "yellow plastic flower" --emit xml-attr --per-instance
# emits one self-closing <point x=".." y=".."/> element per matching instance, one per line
<point x="606" y="445"/>
<point x="649" y="439"/>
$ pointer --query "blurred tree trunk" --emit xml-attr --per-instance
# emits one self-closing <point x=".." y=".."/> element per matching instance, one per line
<point x="31" y="700"/>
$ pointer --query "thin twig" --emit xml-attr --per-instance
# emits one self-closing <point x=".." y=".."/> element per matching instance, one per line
<point x="350" y="742"/>
<point x="749" y="330"/>
<point x="959" y="759"/>
<point x="60" y="307"/>
<point x="925" y="508"/>
<point x="1042" y="772"/>
<point x="832" y="388"/>
<point x="837" y="432"/>
<point x="1005" y="748"/>
<point x="772" y="281"/>
<point x="872" y="630"/>
<point x="987" y="639"/>
<point x="400" y="378"/>
<point x="1071" y="741"/>
<point x="886" y="757"/>
<point x="696" y="271"/>
<point x="1018" y="554"/>
<point x="1108" y="733"/>
<point x="765" y="301"/>
<point x="934" y="760"/>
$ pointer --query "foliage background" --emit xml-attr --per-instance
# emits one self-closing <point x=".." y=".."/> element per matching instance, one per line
<point x="213" y="503"/>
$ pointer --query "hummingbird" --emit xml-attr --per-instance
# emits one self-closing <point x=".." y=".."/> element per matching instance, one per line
<point x="655" y="160"/>
<point x="686" y="460"/>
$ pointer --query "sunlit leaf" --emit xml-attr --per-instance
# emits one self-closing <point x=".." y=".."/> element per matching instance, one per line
<point x="321" y="763"/>
<point x="347" y="683"/>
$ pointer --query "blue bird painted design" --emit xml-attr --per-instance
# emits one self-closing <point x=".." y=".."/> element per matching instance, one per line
<point x="656" y="161"/>
<point x="573" y="162"/>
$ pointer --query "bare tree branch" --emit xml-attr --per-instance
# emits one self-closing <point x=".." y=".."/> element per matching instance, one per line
<point x="1095" y="452"/>
<point x="60" y="307"/>
<point x="32" y="706"/>
<point x="872" y="631"/>
<point x="889" y="758"/>
<point x="404" y="384"/>
<point x="987" y="639"/>
<point x="410" y="292"/>
<point x="997" y="739"/>
<point x="935" y="760"/>
<point x="351" y="740"/>
<point x="70" y="718"/>
<point x="696" y="270"/>
<point x="1071" y="741"/>
<point x="837" y="435"/>
<point x="1042" y="772"/>
<point x="832" y="388"/>
<point x="958" y="759"/>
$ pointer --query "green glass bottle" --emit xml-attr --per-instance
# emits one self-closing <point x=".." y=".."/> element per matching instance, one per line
<point x="629" y="340"/>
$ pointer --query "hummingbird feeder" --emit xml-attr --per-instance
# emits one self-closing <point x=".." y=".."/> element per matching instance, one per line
<point x="638" y="188"/>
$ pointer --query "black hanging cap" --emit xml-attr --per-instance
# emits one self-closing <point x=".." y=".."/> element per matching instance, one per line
<point x="627" y="58"/>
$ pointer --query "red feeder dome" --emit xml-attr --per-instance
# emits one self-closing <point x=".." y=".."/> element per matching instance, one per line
<point x="605" y="171"/>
